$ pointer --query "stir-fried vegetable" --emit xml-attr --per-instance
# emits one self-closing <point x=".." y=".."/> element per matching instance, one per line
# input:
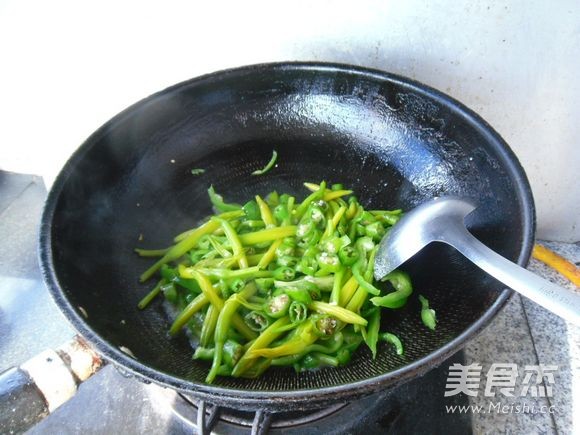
<point x="268" y="166"/>
<point x="281" y="282"/>
<point x="427" y="314"/>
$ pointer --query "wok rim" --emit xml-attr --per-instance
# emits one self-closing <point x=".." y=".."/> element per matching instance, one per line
<point x="287" y="399"/>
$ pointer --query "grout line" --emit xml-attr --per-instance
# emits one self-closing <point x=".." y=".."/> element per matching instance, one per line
<point x="549" y="399"/>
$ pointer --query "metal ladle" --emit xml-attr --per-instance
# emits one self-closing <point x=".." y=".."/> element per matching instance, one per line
<point x="442" y="220"/>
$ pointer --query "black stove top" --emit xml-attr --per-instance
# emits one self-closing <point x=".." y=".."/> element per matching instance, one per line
<point x="111" y="402"/>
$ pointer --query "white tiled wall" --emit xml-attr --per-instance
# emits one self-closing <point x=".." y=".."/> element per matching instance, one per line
<point x="67" y="66"/>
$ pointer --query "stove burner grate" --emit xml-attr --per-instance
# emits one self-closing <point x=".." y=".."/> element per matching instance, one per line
<point x="204" y="417"/>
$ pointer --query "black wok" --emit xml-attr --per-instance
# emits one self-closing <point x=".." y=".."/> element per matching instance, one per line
<point x="394" y="141"/>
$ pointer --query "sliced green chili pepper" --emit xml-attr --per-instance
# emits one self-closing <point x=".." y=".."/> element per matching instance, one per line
<point x="278" y="306"/>
<point x="208" y="328"/>
<point x="256" y="321"/>
<point x="299" y="294"/>
<point x="193" y="307"/>
<point x="281" y="213"/>
<point x="169" y="292"/>
<point x="297" y="312"/>
<point x="372" y="330"/>
<point x="223" y="323"/>
<point x="218" y="202"/>
<point x="251" y="210"/>
<point x="236" y="285"/>
<point x="267" y="235"/>
<point x="266" y="337"/>
<point x="151" y="295"/>
<point x="235" y="242"/>
<point x="403" y="289"/>
<point x="233" y="351"/>
<point x="394" y="340"/>
<point x="356" y="272"/>
<point x="268" y="166"/>
<point x="264" y="284"/>
<point x="301" y="209"/>
<point x="284" y="273"/>
<point x="427" y="314"/>
<point x="336" y="286"/>
<point x="151" y="252"/>
<point x="327" y="263"/>
<point x="273" y="199"/>
<point x="340" y="313"/>
<point x="343" y="356"/>
<point x="307" y="266"/>
<point x="204" y="353"/>
<point x="303" y="336"/>
<point x="324" y="325"/>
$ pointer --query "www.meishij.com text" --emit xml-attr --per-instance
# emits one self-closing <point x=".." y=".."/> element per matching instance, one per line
<point x="501" y="408"/>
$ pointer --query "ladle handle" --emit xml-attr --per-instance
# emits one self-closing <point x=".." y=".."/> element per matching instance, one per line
<point x="560" y="301"/>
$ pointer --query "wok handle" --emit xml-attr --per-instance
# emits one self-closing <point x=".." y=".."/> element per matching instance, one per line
<point x="560" y="301"/>
<point x="33" y="390"/>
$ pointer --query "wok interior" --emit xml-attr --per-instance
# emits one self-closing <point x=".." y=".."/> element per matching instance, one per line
<point x="390" y="142"/>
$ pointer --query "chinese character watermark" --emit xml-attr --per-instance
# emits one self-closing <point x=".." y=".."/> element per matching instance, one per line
<point x="537" y="381"/>
<point x="463" y="379"/>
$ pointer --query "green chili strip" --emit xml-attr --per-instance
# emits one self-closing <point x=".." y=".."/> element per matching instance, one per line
<point x="151" y="252"/>
<point x="247" y="273"/>
<point x="372" y="332"/>
<point x="270" y="254"/>
<point x="335" y="343"/>
<point x="403" y="289"/>
<point x="203" y="353"/>
<point x="214" y="299"/>
<point x="290" y="207"/>
<point x="332" y="223"/>
<point x="227" y="215"/>
<point x="266" y="337"/>
<point x="427" y="314"/>
<point x="235" y="242"/>
<point x="151" y="295"/>
<point x="268" y="166"/>
<point x="303" y="337"/>
<point x="394" y="340"/>
<point x="329" y="196"/>
<point x="181" y="248"/>
<point x="364" y="284"/>
<point x="218" y="247"/>
<point x="336" y="287"/>
<point x="265" y="212"/>
<point x="347" y="291"/>
<point x="197" y="171"/>
<point x="340" y="313"/>
<point x="313" y="187"/>
<point x="209" y="324"/>
<point x="324" y="283"/>
<point x="218" y="202"/>
<point x="267" y="235"/>
<point x="223" y="325"/>
<point x="193" y="307"/>
<point x="297" y="312"/>
<point x="314" y="196"/>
